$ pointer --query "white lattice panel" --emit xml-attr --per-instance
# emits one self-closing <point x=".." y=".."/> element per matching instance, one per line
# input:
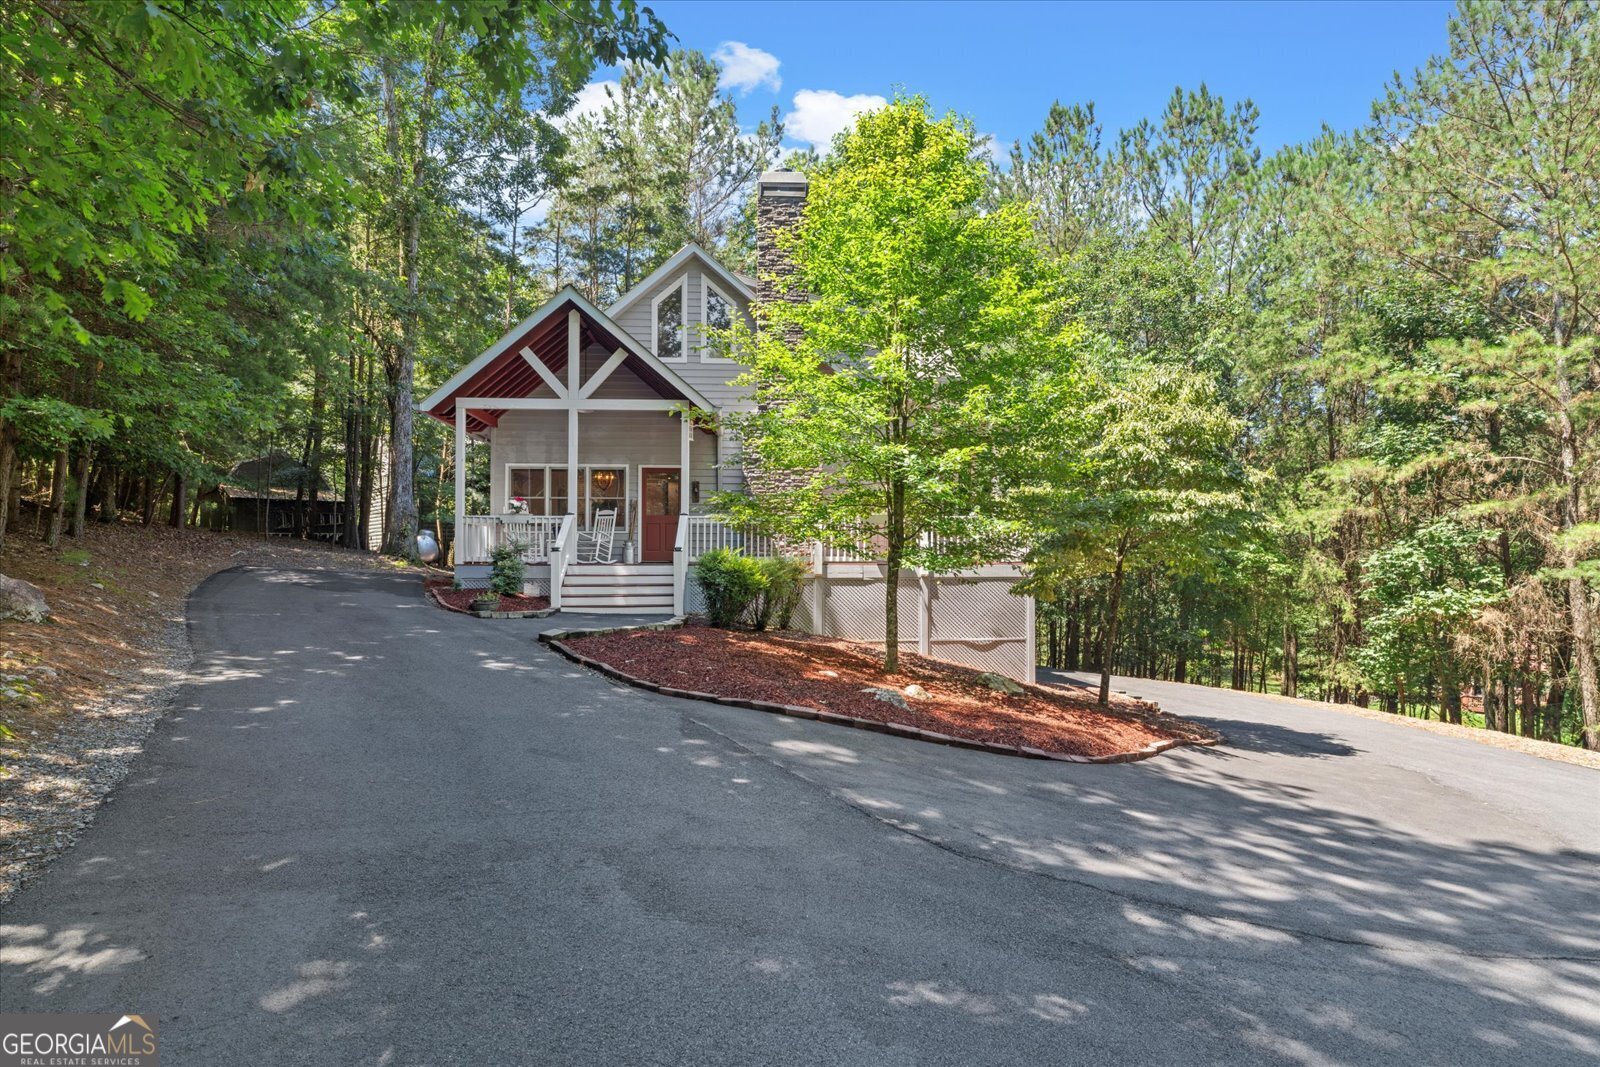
<point x="974" y="621"/>
<point x="976" y="610"/>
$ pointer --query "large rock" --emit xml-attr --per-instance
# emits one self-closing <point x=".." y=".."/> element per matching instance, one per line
<point x="999" y="683"/>
<point x="887" y="696"/>
<point x="20" y="600"/>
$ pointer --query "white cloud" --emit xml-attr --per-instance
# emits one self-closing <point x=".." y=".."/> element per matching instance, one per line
<point x="745" y="68"/>
<point x="820" y="113"/>
<point x="592" y="99"/>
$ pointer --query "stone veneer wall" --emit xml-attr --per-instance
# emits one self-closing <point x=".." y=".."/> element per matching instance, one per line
<point x="780" y="200"/>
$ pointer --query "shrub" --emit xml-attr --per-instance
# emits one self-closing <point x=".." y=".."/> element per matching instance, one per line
<point x="732" y="582"/>
<point x="785" y="577"/>
<point x="505" y="576"/>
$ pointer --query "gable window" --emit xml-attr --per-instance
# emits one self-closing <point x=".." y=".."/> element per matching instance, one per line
<point x="669" y="325"/>
<point x="717" y="313"/>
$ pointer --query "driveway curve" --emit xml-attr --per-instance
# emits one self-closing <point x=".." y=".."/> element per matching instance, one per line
<point x="374" y="832"/>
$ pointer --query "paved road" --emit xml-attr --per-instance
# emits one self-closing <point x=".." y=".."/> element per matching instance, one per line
<point x="372" y="832"/>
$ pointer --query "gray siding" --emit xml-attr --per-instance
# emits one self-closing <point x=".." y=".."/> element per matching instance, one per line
<point x="710" y="377"/>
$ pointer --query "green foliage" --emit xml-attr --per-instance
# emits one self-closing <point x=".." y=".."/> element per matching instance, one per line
<point x="663" y="163"/>
<point x="732" y="584"/>
<point x="783" y="580"/>
<point x="889" y="398"/>
<point x="1425" y="588"/>
<point x="506" y="568"/>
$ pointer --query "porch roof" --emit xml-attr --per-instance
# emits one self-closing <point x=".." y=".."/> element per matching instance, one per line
<point x="505" y="369"/>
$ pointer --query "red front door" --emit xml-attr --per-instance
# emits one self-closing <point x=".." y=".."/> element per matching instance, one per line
<point x="658" y="517"/>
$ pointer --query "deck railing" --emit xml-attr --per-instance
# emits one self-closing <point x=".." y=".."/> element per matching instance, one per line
<point x="703" y="533"/>
<point x="700" y="534"/>
<point x="478" y="535"/>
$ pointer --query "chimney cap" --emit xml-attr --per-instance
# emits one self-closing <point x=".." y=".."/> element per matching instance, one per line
<point x="783" y="177"/>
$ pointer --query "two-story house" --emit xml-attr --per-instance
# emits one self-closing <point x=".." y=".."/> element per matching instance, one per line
<point x="593" y="415"/>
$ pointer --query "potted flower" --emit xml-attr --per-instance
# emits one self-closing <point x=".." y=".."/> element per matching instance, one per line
<point x="517" y="506"/>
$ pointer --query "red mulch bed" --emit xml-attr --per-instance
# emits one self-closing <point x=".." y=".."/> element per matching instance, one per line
<point x="827" y="674"/>
<point x="461" y="599"/>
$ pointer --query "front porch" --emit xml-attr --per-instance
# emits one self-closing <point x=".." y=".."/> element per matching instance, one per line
<point x="585" y="429"/>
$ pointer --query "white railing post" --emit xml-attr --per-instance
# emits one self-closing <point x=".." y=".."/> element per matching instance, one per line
<point x="680" y="566"/>
<point x="558" y="559"/>
<point x="819" y="574"/>
<point x="924" y="615"/>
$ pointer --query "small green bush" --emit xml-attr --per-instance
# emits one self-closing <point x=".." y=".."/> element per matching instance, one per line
<point x="732" y="582"/>
<point x="505" y="577"/>
<point x="785" y="577"/>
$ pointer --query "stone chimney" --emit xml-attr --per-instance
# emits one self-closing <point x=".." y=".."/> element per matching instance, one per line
<point x="780" y="197"/>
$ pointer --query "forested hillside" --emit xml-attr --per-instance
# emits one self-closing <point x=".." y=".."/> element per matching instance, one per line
<point x="1401" y="319"/>
<point x="1334" y="428"/>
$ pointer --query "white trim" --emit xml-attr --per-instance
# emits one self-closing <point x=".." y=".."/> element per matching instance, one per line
<point x="707" y="287"/>
<point x="550" y="403"/>
<point x="462" y="376"/>
<point x="678" y="259"/>
<point x="682" y="289"/>
<point x="461" y="467"/>
<point x="598" y="378"/>
<point x="544" y="372"/>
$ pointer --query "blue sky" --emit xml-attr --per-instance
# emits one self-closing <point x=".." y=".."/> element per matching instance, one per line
<point x="1303" y="64"/>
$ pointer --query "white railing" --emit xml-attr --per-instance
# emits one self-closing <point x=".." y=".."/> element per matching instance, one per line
<point x="699" y="534"/>
<point x="536" y="533"/>
<point x="680" y="564"/>
<point x="474" y="538"/>
<point x="862" y="549"/>
<point x="479" y="535"/>
<point x="561" y="551"/>
<point x="703" y="533"/>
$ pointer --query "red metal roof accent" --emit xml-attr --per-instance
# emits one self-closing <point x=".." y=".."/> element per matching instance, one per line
<point x="509" y="374"/>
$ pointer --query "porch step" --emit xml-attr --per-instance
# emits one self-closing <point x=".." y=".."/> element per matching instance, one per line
<point x="618" y="588"/>
<point x="634" y="610"/>
<point x="631" y="570"/>
<point x="618" y="581"/>
<point x="571" y="598"/>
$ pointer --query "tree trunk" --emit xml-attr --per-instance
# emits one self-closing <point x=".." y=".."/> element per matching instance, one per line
<point x="80" y="495"/>
<point x="895" y="534"/>
<point x="10" y="385"/>
<point x="1291" y="661"/>
<point x="58" y="498"/>
<point x="180" y="501"/>
<point x="401" y="526"/>
<point x="1583" y="651"/>
<point x="1108" y="633"/>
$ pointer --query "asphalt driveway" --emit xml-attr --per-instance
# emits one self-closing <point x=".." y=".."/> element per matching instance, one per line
<point x="374" y="832"/>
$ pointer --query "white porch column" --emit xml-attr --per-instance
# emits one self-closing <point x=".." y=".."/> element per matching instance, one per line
<point x="686" y="438"/>
<point x="461" y="475"/>
<point x="574" y="380"/>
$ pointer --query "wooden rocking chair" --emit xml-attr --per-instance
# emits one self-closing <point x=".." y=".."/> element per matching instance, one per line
<point x="598" y="540"/>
